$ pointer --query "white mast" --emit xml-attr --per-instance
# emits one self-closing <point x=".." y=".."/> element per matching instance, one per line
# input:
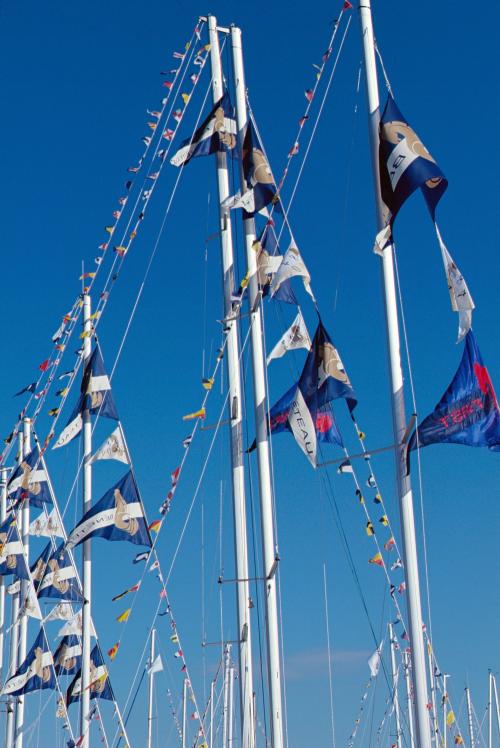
<point x="151" y="689"/>
<point x="445" y="709"/>
<point x="469" y="717"/>
<point x="25" y="586"/>
<point x="419" y="675"/>
<point x="230" y="708"/>
<point x="490" y="706"/>
<point x="432" y="677"/>
<point x="497" y="708"/>
<point x="235" y="415"/>
<point x="3" y="515"/>
<point x="87" y="564"/>
<point x="225" y="707"/>
<point x="184" y="713"/>
<point x="395" y="696"/>
<point x="212" y="696"/>
<point x="260" y="402"/>
<point x="409" y="700"/>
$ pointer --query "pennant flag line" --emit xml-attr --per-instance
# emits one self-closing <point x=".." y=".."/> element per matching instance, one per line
<point x="113" y="448"/>
<point x="295" y="337"/>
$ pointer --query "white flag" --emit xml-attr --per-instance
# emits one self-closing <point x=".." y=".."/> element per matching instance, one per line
<point x="302" y="425"/>
<point x="156" y="667"/>
<point x="72" y="429"/>
<point x="461" y="300"/>
<point x="295" y="337"/>
<point x="47" y="526"/>
<point x="374" y="660"/>
<point x="63" y="611"/>
<point x="74" y="626"/>
<point x="113" y="448"/>
<point x="292" y="265"/>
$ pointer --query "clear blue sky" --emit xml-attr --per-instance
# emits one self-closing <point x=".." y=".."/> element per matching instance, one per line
<point x="76" y="81"/>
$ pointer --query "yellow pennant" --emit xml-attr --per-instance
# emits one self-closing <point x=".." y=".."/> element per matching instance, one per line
<point x="450" y="718"/>
<point x="201" y="413"/>
<point x="185" y="98"/>
<point x="124" y="616"/>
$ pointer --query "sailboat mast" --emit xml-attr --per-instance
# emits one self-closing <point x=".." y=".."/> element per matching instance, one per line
<point x="411" y="729"/>
<point x="3" y="516"/>
<point x="405" y="497"/>
<point x="469" y="718"/>
<point x="432" y="677"/>
<point x="230" y="708"/>
<point x="212" y="697"/>
<point x="87" y="564"/>
<point x="225" y="713"/>
<point x="260" y="403"/>
<point x="395" y="695"/>
<point x="151" y="691"/>
<point x="14" y="641"/>
<point x="184" y="713"/>
<point x="445" y="709"/>
<point x="490" y="706"/>
<point x="25" y="587"/>
<point x="235" y="417"/>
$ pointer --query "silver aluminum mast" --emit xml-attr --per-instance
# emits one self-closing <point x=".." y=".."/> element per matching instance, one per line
<point x="395" y="679"/>
<point x="235" y="416"/>
<point x="3" y="516"/>
<point x="87" y="564"/>
<point x="422" y="731"/>
<point x="260" y="402"/>
<point x="151" y="690"/>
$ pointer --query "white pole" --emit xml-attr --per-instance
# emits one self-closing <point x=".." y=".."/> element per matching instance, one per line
<point x="184" y="714"/>
<point x="445" y="709"/>
<point x="411" y="729"/>
<point x="14" y="643"/>
<point x="3" y="516"/>
<point x="25" y="587"/>
<point x="235" y="415"/>
<point x="434" y="720"/>
<point x="230" y="708"/>
<point x="87" y="564"/>
<point x="212" y="697"/>
<point x="469" y="717"/>
<point x="225" y="708"/>
<point x="497" y="708"/>
<point x="151" y="690"/>
<point x="490" y="707"/>
<point x="419" y="675"/>
<point x="260" y="402"/>
<point x="395" y="695"/>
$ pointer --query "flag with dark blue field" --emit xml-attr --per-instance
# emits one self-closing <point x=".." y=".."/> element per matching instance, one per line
<point x="29" y="481"/>
<point x="216" y="133"/>
<point x="35" y="673"/>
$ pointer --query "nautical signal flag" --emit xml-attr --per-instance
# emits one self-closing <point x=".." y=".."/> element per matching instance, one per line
<point x="126" y="592"/>
<point x="468" y="412"/>
<point x="369" y="528"/>
<point x="113" y="651"/>
<point x="155" y="526"/>
<point x="216" y="133"/>
<point x="377" y="560"/>
<point x="35" y="673"/>
<point x="29" y="388"/>
<point x="118" y="515"/>
<point x="389" y="544"/>
<point x="201" y="413"/>
<point x="123" y="617"/>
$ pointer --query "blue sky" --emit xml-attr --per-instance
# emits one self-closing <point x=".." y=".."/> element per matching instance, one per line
<point x="77" y="80"/>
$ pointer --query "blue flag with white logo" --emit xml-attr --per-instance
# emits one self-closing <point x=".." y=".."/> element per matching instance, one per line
<point x="35" y="673"/>
<point x="118" y="515"/>
<point x="261" y="189"/>
<point x="68" y="656"/>
<point x="468" y="413"/>
<point x="11" y="551"/>
<point x="29" y="481"/>
<point x="99" y="686"/>
<point x="38" y="568"/>
<point x="216" y="133"/>
<point x="59" y="579"/>
<point x="405" y="164"/>
<point x="326" y="428"/>
<point x="270" y="245"/>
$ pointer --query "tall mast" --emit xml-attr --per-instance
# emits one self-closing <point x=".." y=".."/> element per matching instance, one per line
<point x="230" y="709"/>
<point x="411" y="729"/>
<point x="212" y="696"/>
<point x="445" y="709"/>
<point x="260" y="402"/>
<point x="225" y="707"/>
<point x="469" y="718"/>
<point x="395" y="696"/>
<point x="87" y="564"/>
<point x="184" y="713"/>
<point x="151" y="690"/>
<point x="490" y="706"/>
<point x="25" y="586"/>
<point x="432" y="677"/>
<point x="422" y="731"/>
<point x="3" y="516"/>
<point x="235" y="416"/>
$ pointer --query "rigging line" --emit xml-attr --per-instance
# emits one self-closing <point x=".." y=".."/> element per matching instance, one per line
<point x="329" y="655"/>
<point x="419" y="463"/>
<point x="386" y="77"/>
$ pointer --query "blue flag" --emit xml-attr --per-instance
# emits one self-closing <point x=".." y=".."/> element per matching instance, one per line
<point x="405" y="163"/>
<point x="38" y="568"/>
<point x="29" y="388"/>
<point x="11" y="551"/>
<point x="216" y="133"/>
<point x="29" y="481"/>
<point x="68" y="656"/>
<point x="119" y="515"/>
<point x="35" y="673"/>
<point x="270" y="245"/>
<point x="95" y="396"/>
<point x="59" y="579"/>
<point x="257" y="173"/>
<point x="468" y="413"/>
<point x="326" y="428"/>
<point x="99" y="686"/>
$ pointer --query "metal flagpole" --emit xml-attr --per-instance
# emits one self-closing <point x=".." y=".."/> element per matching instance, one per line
<point x="227" y="657"/>
<point x="235" y="415"/>
<point x="3" y="515"/>
<point x="395" y="696"/>
<point x="230" y="708"/>
<point x="434" y="720"/>
<point x="14" y="641"/>
<point x="490" y="715"/>
<point x="419" y="675"/>
<point x="212" y="696"/>
<point x="260" y="401"/>
<point x="497" y="708"/>
<point x="25" y="587"/>
<point x="151" y="689"/>
<point x="469" y="717"/>
<point x="184" y="713"/>
<point x="87" y="564"/>
<point x="445" y="709"/>
<point x="411" y="730"/>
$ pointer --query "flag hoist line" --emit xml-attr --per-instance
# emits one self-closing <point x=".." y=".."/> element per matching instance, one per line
<point x="86" y="553"/>
<point x="419" y="675"/>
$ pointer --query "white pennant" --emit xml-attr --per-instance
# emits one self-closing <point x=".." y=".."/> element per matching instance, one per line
<point x="113" y="448"/>
<point x="374" y="661"/>
<point x="292" y="265"/>
<point x="63" y="611"/>
<point x="74" y="626"/>
<point x="46" y="526"/>
<point x="302" y="425"/>
<point x="295" y="337"/>
<point x="461" y="300"/>
<point x="71" y="430"/>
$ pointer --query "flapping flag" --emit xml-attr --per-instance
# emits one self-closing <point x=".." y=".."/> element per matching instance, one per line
<point x="405" y="165"/>
<point x="11" y="551"/>
<point x="99" y="685"/>
<point x="29" y="388"/>
<point x="118" y="515"/>
<point x="450" y="718"/>
<point x="74" y="625"/>
<point x="216" y="133"/>
<point x="113" y="651"/>
<point x="126" y="592"/>
<point x="197" y="414"/>
<point x="60" y="612"/>
<point x="345" y="467"/>
<point x="156" y="666"/>
<point x="113" y="448"/>
<point x="38" y="568"/>
<point x="292" y="265"/>
<point x="35" y="673"/>
<point x="295" y="337"/>
<point x="29" y="481"/>
<point x="123" y="617"/>
<point x="68" y="656"/>
<point x="261" y="188"/>
<point x="269" y="244"/>
<point x="45" y="526"/>
<point x="141" y="557"/>
<point x="95" y="396"/>
<point x="468" y="412"/>
<point x="59" y="580"/>
<point x="155" y="526"/>
<point x="374" y="660"/>
<point x="376" y="559"/>
<point x="461" y="300"/>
